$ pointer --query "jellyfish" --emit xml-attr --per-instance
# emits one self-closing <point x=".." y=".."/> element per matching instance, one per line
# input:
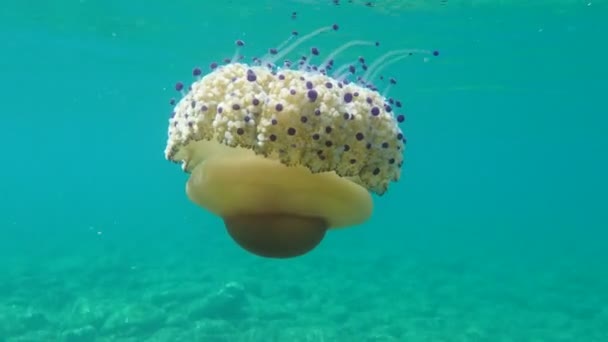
<point x="284" y="151"/>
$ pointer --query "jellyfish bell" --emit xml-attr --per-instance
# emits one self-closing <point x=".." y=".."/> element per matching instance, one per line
<point x="283" y="155"/>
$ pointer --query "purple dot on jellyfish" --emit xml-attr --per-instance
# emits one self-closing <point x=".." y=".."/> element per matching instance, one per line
<point x="239" y="43"/>
<point x="314" y="51"/>
<point x="179" y="86"/>
<point x="196" y="71"/>
<point x="348" y="97"/>
<point x="251" y="77"/>
<point x="435" y="53"/>
<point x="213" y="65"/>
<point x="335" y="27"/>
<point x="312" y="95"/>
<point x="400" y="118"/>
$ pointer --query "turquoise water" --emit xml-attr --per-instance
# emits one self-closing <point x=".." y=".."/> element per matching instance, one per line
<point x="496" y="231"/>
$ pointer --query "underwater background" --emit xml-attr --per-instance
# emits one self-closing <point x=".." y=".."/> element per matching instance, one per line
<point x="497" y="230"/>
